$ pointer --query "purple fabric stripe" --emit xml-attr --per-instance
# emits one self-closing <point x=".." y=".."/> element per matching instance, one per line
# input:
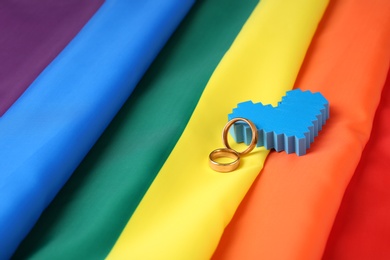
<point x="32" y="34"/>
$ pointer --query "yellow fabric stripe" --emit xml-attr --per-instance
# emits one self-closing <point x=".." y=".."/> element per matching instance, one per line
<point x="186" y="209"/>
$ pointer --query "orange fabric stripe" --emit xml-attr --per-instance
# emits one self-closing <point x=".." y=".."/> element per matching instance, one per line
<point x="290" y="209"/>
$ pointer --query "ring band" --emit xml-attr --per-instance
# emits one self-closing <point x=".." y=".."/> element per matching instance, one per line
<point x="224" y="153"/>
<point x="253" y="143"/>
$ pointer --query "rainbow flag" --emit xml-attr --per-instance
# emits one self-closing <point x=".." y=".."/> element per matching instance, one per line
<point x="145" y="190"/>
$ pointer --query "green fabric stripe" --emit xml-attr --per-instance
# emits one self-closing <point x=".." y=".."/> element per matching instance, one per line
<point x="87" y="216"/>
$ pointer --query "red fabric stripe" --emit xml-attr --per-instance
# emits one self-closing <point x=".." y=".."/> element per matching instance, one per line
<point x="362" y="226"/>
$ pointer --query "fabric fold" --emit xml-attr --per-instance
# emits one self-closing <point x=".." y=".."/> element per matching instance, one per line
<point x="105" y="189"/>
<point x="185" y="210"/>
<point x="50" y="128"/>
<point x="290" y="209"/>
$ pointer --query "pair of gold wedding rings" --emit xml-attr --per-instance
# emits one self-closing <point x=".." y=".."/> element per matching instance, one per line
<point x="228" y="152"/>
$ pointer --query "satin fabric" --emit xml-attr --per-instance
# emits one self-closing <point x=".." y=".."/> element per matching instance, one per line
<point x="290" y="209"/>
<point x="185" y="210"/>
<point x="362" y="228"/>
<point x="48" y="131"/>
<point x="32" y="34"/>
<point x="104" y="191"/>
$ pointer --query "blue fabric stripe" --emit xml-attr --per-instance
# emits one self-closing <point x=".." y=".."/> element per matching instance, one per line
<point x="52" y="126"/>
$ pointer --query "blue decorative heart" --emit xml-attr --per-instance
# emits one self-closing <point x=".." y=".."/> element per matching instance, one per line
<point x="291" y="126"/>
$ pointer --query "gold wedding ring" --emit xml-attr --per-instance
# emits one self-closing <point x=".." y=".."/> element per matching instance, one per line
<point x="228" y="152"/>
<point x="224" y="153"/>
<point x="254" y="134"/>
